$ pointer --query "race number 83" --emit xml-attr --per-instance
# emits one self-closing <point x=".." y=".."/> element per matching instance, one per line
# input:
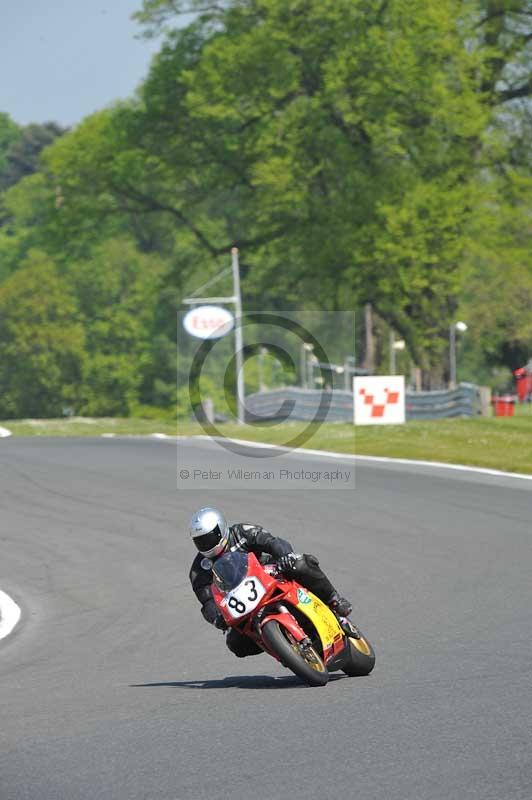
<point x="245" y="597"/>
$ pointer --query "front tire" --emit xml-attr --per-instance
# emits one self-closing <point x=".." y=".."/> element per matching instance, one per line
<point x="310" y="667"/>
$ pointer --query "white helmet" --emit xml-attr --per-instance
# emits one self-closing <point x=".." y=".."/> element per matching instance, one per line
<point x="209" y="531"/>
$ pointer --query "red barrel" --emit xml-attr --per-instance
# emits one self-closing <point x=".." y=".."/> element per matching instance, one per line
<point x="503" y="406"/>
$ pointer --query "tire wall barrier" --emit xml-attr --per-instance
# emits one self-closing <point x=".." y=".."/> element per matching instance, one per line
<point x="337" y="406"/>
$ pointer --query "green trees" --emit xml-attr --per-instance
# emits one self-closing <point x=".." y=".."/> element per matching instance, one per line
<point x="21" y="156"/>
<point x="355" y="152"/>
<point x="117" y="291"/>
<point x="9" y="133"/>
<point x="498" y="296"/>
<point x="81" y="337"/>
<point x="338" y="134"/>
<point x="42" y="341"/>
<point x="347" y="137"/>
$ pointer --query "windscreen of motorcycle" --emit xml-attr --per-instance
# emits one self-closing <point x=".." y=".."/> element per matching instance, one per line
<point x="230" y="570"/>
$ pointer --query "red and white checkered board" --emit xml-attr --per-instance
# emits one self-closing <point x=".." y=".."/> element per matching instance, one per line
<point x="379" y="400"/>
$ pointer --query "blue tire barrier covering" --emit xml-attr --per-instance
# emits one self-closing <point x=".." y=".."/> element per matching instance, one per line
<point x="464" y="401"/>
<point x="304" y="404"/>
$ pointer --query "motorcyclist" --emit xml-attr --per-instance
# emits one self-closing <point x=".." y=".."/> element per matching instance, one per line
<point x="213" y="536"/>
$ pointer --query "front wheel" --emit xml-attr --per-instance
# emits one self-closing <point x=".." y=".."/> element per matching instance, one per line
<point x="304" y="662"/>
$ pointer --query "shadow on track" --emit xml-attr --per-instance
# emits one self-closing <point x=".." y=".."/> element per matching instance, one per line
<point x="236" y="682"/>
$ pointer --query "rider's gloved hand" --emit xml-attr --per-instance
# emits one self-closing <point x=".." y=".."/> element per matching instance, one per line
<point x="220" y="623"/>
<point x="287" y="562"/>
<point x="211" y="614"/>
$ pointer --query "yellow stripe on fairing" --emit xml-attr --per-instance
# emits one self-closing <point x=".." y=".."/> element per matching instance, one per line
<point x="322" y="618"/>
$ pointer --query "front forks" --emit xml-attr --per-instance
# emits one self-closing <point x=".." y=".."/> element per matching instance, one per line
<point x="282" y="615"/>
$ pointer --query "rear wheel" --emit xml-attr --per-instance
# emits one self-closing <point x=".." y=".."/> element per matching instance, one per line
<point x="361" y="655"/>
<point x="304" y="661"/>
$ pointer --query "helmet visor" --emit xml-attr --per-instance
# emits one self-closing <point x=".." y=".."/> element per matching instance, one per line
<point x="207" y="541"/>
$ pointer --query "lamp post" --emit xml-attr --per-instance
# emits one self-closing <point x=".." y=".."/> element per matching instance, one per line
<point x="306" y="370"/>
<point x="340" y="371"/>
<point x="395" y="344"/>
<point x="455" y="326"/>
<point x="239" y="345"/>
<point x="303" y="366"/>
<point x="263" y="351"/>
<point x="350" y="367"/>
<point x="312" y="361"/>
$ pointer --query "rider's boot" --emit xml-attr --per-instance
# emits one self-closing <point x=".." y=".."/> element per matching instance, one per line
<point x="340" y="606"/>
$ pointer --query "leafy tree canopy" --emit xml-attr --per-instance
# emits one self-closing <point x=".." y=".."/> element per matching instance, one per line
<point x="22" y="154"/>
<point x="42" y="341"/>
<point x="354" y="152"/>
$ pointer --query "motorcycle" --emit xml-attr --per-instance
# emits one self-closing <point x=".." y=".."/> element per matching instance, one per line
<point x="288" y="621"/>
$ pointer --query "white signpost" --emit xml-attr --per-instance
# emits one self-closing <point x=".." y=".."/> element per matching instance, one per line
<point x="379" y="400"/>
<point x="236" y="299"/>
<point x="208" y="322"/>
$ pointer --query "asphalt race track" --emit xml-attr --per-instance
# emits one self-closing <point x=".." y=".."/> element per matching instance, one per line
<point x="112" y="686"/>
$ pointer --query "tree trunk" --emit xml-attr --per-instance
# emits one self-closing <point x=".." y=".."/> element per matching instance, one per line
<point x="369" y="355"/>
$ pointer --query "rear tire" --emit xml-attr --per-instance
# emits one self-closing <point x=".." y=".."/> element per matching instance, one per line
<point x="361" y="657"/>
<point x="280" y="641"/>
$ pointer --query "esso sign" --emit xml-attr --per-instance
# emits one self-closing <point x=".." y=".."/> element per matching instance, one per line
<point x="208" y="322"/>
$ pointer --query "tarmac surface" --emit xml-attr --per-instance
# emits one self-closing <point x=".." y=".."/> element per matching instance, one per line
<point x="112" y="686"/>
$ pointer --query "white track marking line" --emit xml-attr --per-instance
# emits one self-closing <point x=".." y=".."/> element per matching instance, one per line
<point x="9" y="614"/>
<point x="137" y="436"/>
<point x="302" y="451"/>
<point x="4" y="432"/>
<point x="379" y="459"/>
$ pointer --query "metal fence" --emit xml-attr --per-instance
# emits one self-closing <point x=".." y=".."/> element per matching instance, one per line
<point x="335" y="405"/>
<point x="464" y="401"/>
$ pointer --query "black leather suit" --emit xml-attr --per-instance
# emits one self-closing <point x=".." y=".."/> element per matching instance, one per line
<point x="268" y="548"/>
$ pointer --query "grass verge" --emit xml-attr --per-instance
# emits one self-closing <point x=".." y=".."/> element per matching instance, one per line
<point x="497" y="443"/>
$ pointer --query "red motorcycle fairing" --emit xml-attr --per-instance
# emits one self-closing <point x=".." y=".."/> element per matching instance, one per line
<point x="277" y="591"/>
<point x="285" y="617"/>
<point x="287" y="620"/>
